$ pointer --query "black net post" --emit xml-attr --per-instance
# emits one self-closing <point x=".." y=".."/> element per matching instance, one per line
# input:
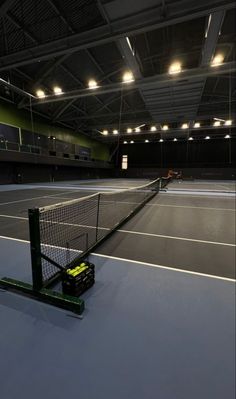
<point x="35" y="248"/>
<point x="97" y="221"/>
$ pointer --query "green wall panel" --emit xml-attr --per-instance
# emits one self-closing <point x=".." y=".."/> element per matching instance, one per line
<point x="20" y="118"/>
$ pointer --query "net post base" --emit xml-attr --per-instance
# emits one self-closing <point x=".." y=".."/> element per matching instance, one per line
<point x="67" y="302"/>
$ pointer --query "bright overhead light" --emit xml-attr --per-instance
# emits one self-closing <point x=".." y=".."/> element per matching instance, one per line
<point x="137" y="130"/>
<point x="105" y="132"/>
<point x="175" y="68"/>
<point x="129" y="130"/>
<point x="40" y="93"/>
<point x="228" y="123"/>
<point x="207" y="138"/>
<point x="115" y="131"/>
<point x="153" y="129"/>
<point x="190" y="138"/>
<point x="128" y="77"/>
<point x="165" y="127"/>
<point x="208" y="26"/>
<point x="216" y="123"/>
<point x="92" y="84"/>
<point x="161" y="140"/>
<point x="196" y="125"/>
<point x="184" y="126"/>
<point x="146" y="141"/>
<point x="132" y="142"/>
<point x="125" y="142"/>
<point x="217" y="60"/>
<point x="219" y="119"/>
<point x="57" y="90"/>
<point x="227" y="136"/>
<point x="175" y="139"/>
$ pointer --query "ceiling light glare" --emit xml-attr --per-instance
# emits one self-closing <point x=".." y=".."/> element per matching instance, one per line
<point x="146" y="141"/>
<point x="207" y="138"/>
<point x="128" y="77"/>
<point x="57" y="90"/>
<point x="196" y="125"/>
<point x="125" y="142"/>
<point x="137" y="130"/>
<point x="227" y="136"/>
<point x="129" y="130"/>
<point x="40" y="93"/>
<point x="105" y="132"/>
<point x="153" y="128"/>
<point x="190" y="138"/>
<point x="165" y="127"/>
<point x="184" y="126"/>
<point x="132" y="142"/>
<point x="92" y="84"/>
<point x="216" y="123"/>
<point x="228" y="122"/>
<point x="161" y="140"/>
<point x="115" y="131"/>
<point x="175" y="68"/>
<point x="175" y="139"/>
<point x="217" y="60"/>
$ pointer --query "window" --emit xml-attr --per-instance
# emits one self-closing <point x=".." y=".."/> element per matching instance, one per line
<point x="124" y="164"/>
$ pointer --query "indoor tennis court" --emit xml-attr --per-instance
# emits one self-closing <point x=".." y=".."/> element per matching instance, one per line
<point x="117" y="199"/>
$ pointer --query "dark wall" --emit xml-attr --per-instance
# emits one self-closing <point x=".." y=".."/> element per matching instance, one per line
<point x="197" y="153"/>
<point x="188" y="173"/>
<point x="29" y="173"/>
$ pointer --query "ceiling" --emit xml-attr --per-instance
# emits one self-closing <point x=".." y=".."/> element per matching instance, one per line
<point x="68" y="42"/>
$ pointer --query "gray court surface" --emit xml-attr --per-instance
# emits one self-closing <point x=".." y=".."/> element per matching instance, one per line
<point x="160" y="320"/>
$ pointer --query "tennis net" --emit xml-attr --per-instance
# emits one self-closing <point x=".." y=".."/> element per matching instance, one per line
<point x="63" y="233"/>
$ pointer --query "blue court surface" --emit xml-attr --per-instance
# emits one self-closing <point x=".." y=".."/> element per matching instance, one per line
<point x="159" y="321"/>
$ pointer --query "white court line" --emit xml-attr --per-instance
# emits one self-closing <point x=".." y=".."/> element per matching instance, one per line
<point x="170" y="194"/>
<point x="30" y="199"/>
<point x="131" y="232"/>
<point x="193" y="207"/>
<point x="137" y="262"/>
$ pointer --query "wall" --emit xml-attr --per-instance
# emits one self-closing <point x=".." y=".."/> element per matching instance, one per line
<point x="20" y="172"/>
<point x="9" y="114"/>
<point x="214" y="153"/>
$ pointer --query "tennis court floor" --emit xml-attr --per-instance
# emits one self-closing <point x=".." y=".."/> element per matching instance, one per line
<point x="161" y="316"/>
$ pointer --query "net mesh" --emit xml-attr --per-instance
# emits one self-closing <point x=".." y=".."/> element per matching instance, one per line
<point x="69" y="229"/>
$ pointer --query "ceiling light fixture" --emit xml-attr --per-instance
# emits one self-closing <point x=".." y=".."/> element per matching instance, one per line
<point x="92" y="84"/>
<point x="184" y="126"/>
<point x="105" y="132"/>
<point x="125" y="142"/>
<point x="137" y="130"/>
<point x="217" y="60"/>
<point x="165" y="127"/>
<point x="227" y="136"/>
<point x="161" y="140"/>
<point x="40" y="93"/>
<point x="115" y="131"/>
<point x="132" y="142"/>
<point x="129" y="130"/>
<point x="216" y="123"/>
<point x="190" y="138"/>
<point x="207" y="138"/>
<point x="196" y="125"/>
<point x="57" y="90"/>
<point x="175" y="68"/>
<point x="153" y="129"/>
<point x="175" y="139"/>
<point x="228" y="122"/>
<point x="146" y="141"/>
<point x="128" y="77"/>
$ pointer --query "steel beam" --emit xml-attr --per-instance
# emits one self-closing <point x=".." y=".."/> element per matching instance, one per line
<point x="145" y="21"/>
<point x="153" y="82"/>
<point x="5" y="6"/>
